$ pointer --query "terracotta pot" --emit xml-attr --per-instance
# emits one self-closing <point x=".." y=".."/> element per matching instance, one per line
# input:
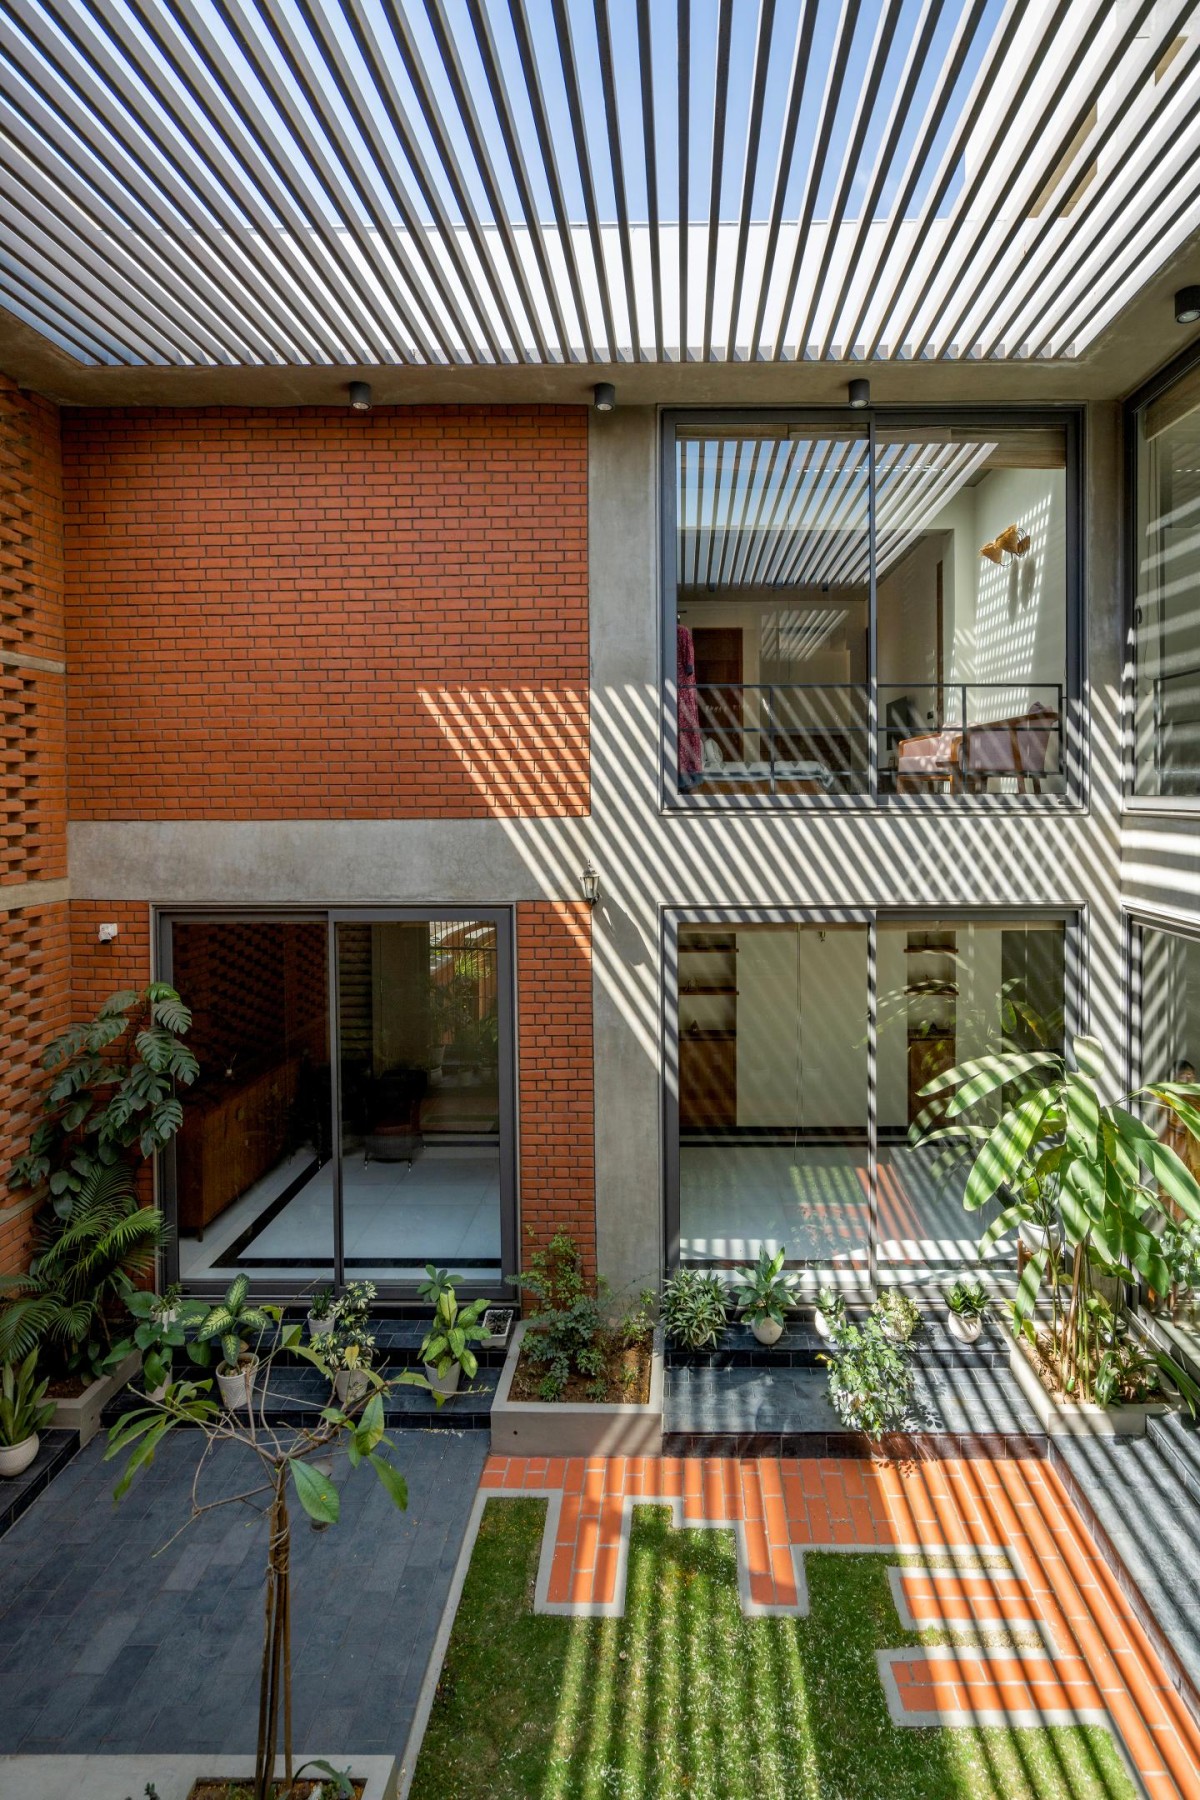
<point x="16" y="1458"/>
<point x="966" y="1330"/>
<point x="237" y="1385"/>
<point x="767" y="1331"/>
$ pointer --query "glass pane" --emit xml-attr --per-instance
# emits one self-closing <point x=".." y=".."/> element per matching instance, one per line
<point x="972" y="610"/>
<point x="773" y="1093"/>
<point x="1170" y="1051"/>
<point x="949" y="991"/>
<point x="420" y="1098"/>
<point x="771" y="622"/>
<point x="252" y="1170"/>
<point x="1167" y="615"/>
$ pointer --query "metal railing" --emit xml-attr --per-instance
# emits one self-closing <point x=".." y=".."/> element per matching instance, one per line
<point x="845" y="737"/>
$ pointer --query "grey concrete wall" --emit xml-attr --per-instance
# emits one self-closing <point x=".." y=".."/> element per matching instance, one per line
<point x="649" y="860"/>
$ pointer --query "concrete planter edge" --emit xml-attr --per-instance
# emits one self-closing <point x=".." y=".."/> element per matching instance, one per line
<point x="81" y="1412"/>
<point x="115" y="1777"/>
<point x="1072" y="1418"/>
<point x="557" y="1428"/>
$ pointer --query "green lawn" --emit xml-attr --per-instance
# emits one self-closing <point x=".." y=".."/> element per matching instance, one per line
<point x="685" y="1696"/>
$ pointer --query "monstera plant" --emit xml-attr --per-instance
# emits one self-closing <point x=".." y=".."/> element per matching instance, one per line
<point x="1110" y="1175"/>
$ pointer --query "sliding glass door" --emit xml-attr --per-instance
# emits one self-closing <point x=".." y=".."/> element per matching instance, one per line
<point x="797" y="1052"/>
<point x="354" y="1112"/>
<point x="419" y="1097"/>
<point x="772" y="1092"/>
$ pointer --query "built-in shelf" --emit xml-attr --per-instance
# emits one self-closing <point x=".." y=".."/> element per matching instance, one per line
<point x="687" y="988"/>
<point x="930" y="950"/>
<point x="931" y="987"/>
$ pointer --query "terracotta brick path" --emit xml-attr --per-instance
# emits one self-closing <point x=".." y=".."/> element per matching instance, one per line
<point x="1042" y="1633"/>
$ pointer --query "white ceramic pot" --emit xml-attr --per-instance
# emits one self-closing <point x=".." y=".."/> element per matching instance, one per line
<point x="350" y="1386"/>
<point x="156" y="1394"/>
<point x="964" y="1329"/>
<point x="16" y="1458"/>
<point x="169" y="1317"/>
<point x="319" y="1327"/>
<point x="446" y="1384"/>
<point x="236" y="1386"/>
<point x="767" y="1331"/>
<point x="821" y="1324"/>
<point x="1036" y="1237"/>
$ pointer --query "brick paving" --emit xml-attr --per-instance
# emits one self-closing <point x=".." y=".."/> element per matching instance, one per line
<point x="1000" y="1549"/>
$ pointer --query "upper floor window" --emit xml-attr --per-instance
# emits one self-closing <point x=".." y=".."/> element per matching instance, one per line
<point x="874" y="609"/>
<point x="1166" y="564"/>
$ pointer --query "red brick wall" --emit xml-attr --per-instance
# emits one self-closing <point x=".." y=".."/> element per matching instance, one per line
<point x="554" y="1003"/>
<point x="34" y="950"/>
<point x="318" y="614"/>
<point x="34" y="1008"/>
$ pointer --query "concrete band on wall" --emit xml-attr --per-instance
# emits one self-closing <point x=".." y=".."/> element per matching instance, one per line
<point x="649" y="860"/>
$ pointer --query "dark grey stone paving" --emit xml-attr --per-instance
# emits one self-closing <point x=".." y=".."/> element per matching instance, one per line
<point x="106" y="1647"/>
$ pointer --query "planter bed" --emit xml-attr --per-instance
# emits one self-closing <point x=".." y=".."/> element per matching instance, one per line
<point x="1060" y="1417"/>
<point x="577" y="1427"/>
<point x="221" y="1787"/>
<point x="101" y="1777"/>
<point x="81" y="1412"/>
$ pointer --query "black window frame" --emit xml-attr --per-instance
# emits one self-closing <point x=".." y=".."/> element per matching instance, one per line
<point x="1075" y="917"/>
<point x="1135" y="403"/>
<point x="1074" y="752"/>
<point x="401" y="1292"/>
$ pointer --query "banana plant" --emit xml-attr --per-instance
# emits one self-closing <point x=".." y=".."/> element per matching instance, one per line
<point x="1108" y="1172"/>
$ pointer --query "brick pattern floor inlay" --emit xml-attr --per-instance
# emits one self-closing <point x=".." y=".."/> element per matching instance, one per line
<point x="990" y="1554"/>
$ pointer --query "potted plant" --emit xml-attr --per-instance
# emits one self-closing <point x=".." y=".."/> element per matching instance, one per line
<point x="24" y="1411"/>
<point x="764" y="1294"/>
<point x="694" y="1308"/>
<point x="898" y="1316"/>
<point x="348" y="1350"/>
<point x="322" y="1312"/>
<point x="232" y="1324"/>
<point x="870" y="1379"/>
<point x="157" y="1333"/>
<point x="830" y="1313"/>
<point x="446" y="1348"/>
<point x="168" y="1304"/>
<point x="1038" y="1223"/>
<point x="967" y="1303"/>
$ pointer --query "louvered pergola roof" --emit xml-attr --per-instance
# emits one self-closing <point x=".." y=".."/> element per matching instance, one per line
<point x="505" y="182"/>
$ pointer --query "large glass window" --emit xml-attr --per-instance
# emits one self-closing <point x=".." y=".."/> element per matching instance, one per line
<point x="875" y="609"/>
<point x="792" y="1116"/>
<point x="365" y="1144"/>
<point x="1166" y="620"/>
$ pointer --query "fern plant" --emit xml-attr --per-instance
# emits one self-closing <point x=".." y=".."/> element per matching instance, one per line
<point x="82" y="1269"/>
<point x="113" y="1090"/>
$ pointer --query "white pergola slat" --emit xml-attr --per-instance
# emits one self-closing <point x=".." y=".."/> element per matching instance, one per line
<point x="487" y="182"/>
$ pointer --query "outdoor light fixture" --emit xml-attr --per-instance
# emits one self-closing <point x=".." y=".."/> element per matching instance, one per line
<point x="1187" y="306"/>
<point x="589" y="881"/>
<point x="1012" y="541"/>
<point x="859" y="392"/>
<point x="107" y="932"/>
<point x="360" y="396"/>
<point x="605" y="396"/>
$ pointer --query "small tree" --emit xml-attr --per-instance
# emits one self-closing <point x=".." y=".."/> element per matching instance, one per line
<point x="1105" y="1167"/>
<point x="297" y="1462"/>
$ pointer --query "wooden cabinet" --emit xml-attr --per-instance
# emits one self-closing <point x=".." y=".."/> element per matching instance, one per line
<point x="927" y="1057"/>
<point x="707" y="1080"/>
<point x="229" y="1139"/>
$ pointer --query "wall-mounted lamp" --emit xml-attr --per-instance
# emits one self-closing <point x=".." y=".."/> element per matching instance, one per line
<point x="360" y="396"/>
<point x="1012" y="541"/>
<point x="106" y="933"/>
<point x="604" y="396"/>
<point x="859" y="392"/>
<point x="589" y="881"/>
<point x="1187" y="306"/>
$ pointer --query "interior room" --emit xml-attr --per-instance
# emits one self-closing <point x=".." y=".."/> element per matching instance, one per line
<point x="1167" y="615"/>
<point x="774" y="1108"/>
<point x="774" y="660"/>
<point x="416" y="1132"/>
